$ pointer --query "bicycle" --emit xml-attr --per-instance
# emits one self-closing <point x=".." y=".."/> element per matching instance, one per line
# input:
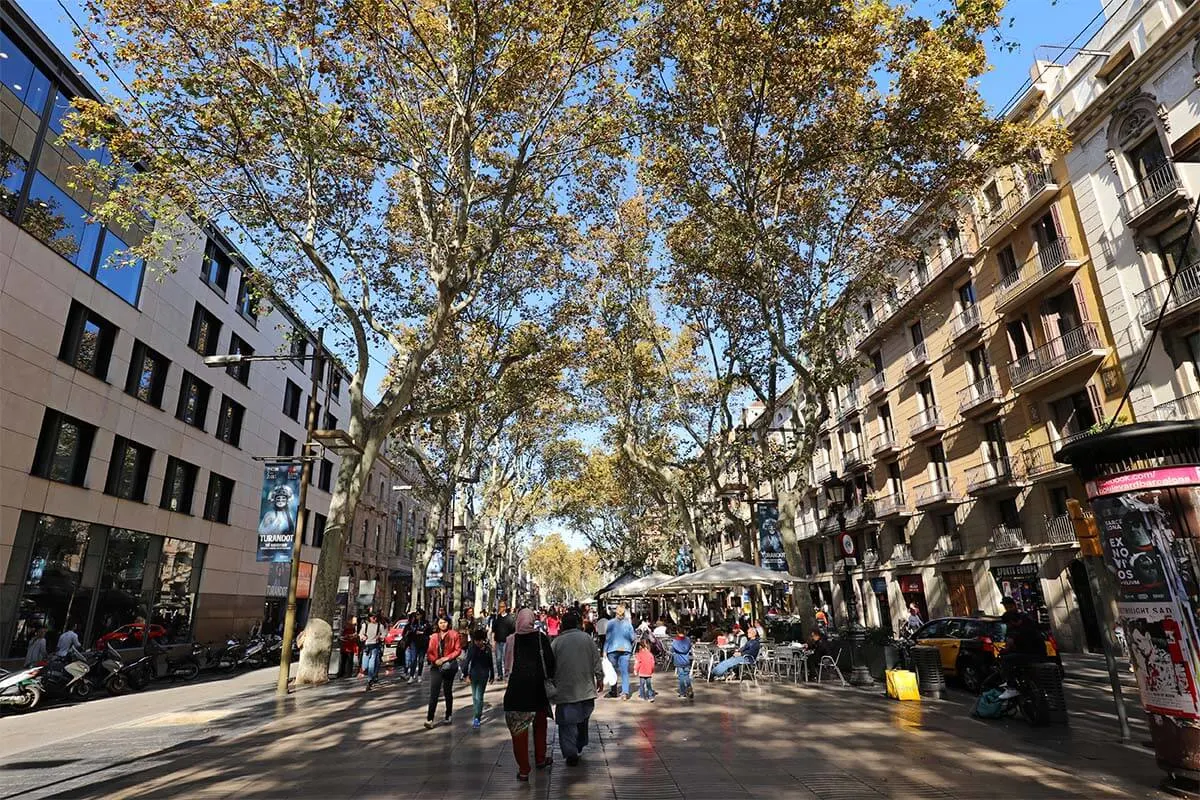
<point x="1030" y="701"/>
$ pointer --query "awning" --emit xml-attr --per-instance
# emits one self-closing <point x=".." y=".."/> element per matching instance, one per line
<point x="616" y="583"/>
<point x="639" y="587"/>
<point x="726" y="575"/>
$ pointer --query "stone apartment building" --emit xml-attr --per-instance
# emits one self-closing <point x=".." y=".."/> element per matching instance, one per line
<point x="131" y="473"/>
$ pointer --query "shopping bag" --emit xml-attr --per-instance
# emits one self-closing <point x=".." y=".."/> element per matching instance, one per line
<point x="610" y="674"/>
<point x="902" y="685"/>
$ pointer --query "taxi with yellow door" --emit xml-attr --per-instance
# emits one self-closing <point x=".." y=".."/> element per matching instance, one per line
<point x="969" y="646"/>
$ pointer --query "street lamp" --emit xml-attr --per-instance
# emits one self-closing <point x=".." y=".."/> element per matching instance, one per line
<point x="859" y="674"/>
<point x="306" y="465"/>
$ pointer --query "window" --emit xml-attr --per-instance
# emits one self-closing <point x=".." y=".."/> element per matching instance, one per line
<point x="1007" y="512"/>
<point x="992" y="195"/>
<point x="229" y="422"/>
<point x="88" y="341"/>
<point x="299" y="346"/>
<point x="378" y="537"/>
<point x="1008" y="261"/>
<point x="318" y="530"/>
<point x="179" y="484"/>
<point x="925" y="394"/>
<point x="63" y="448"/>
<point x="193" y="401"/>
<point x="335" y="385"/>
<point x="877" y="361"/>
<point x="947" y="526"/>
<point x="147" y="374"/>
<point x="885" y="418"/>
<point x="1116" y="64"/>
<point x="966" y="295"/>
<point x="247" y="299"/>
<point x="937" y="461"/>
<point x="868" y="312"/>
<point x="1058" y="500"/>
<point x="366" y="532"/>
<point x="287" y="446"/>
<point x="977" y="364"/>
<point x="330" y="422"/>
<point x="206" y="329"/>
<point x="326" y="474"/>
<point x="917" y="333"/>
<point x="291" y="400"/>
<point x="895" y="480"/>
<point x="128" y="469"/>
<point x="215" y="269"/>
<point x="217" y="499"/>
<point x="238" y="347"/>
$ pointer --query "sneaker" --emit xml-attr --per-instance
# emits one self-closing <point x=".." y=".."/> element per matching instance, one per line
<point x="651" y="698"/>
<point x="428" y="724"/>
<point x="691" y="694"/>
<point x="475" y="723"/>
<point x="1010" y="693"/>
<point x="446" y="720"/>
<point x="624" y="696"/>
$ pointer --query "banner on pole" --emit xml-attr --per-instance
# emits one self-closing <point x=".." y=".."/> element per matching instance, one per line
<point x="770" y="543"/>
<point x="435" y="571"/>
<point x="278" y="511"/>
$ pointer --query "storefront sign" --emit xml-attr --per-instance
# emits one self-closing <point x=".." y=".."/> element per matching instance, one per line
<point x="1150" y="479"/>
<point x="878" y="586"/>
<point x="1154" y="586"/>
<point x="278" y="509"/>
<point x="910" y="584"/>
<point x="1021" y="583"/>
<point x="770" y="543"/>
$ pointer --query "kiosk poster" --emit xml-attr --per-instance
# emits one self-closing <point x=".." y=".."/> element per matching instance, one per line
<point x="1147" y="559"/>
<point x="770" y="543"/>
<point x="278" y="511"/>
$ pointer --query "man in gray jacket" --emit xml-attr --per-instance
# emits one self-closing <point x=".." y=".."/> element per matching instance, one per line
<point x="578" y="673"/>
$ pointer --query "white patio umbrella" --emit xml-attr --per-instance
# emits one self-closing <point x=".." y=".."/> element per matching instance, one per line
<point x="641" y="586"/>
<point x="721" y="576"/>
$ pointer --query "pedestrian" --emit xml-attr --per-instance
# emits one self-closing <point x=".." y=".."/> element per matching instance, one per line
<point x="822" y="619"/>
<point x="553" y="623"/>
<point x="66" y="640"/>
<point x="530" y="663"/>
<point x="480" y="671"/>
<point x="914" y="620"/>
<point x="681" y="656"/>
<point x="602" y="630"/>
<point x="618" y="644"/>
<point x="444" y="649"/>
<point x="419" y="646"/>
<point x="36" y="653"/>
<point x="371" y="635"/>
<point x="578" y="672"/>
<point x="644" y="663"/>
<point x="349" y="648"/>
<point x="660" y="630"/>
<point x="503" y="626"/>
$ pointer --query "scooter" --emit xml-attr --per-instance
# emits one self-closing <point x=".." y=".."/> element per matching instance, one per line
<point x="20" y="690"/>
<point x="106" y="670"/>
<point x="65" y="677"/>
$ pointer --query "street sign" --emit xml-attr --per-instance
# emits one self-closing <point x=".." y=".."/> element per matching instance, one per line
<point x="845" y="543"/>
<point x="850" y="562"/>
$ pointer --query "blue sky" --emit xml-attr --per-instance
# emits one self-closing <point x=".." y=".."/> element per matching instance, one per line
<point x="1030" y="26"/>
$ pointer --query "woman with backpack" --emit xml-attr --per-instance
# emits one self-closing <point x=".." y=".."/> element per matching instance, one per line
<point x="529" y="662"/>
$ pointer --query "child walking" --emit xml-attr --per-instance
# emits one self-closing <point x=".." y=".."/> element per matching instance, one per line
<point x="681" y="652"/>
<point x="480" y="670"/>
<point x="643" y="662"/>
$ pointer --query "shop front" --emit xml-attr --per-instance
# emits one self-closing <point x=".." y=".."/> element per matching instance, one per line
<point x="912" y="589"/>
<point x="275" y="603"/>
<point x="821" y="593"/>
<point x="96" y="577"/>
<point x="1022" y="583"/>
<point x="879" y="589"/>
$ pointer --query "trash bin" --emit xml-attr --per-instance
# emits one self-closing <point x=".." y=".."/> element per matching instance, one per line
<point x="931" y="681"/>
<point x="1048" y="678"/>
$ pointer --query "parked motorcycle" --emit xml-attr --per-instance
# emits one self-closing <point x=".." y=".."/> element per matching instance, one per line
<point x="65" y="677"/>
<point x="106" y="670"/>
<point x="20" y="690"/>
<point x="146" y="669"/>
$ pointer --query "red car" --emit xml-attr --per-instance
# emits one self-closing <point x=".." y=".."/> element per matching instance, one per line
<point x="130" y="634"/>
<point x="395" y="633"/>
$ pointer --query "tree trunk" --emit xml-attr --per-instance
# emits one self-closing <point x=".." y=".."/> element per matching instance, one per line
<point x="421" y="557"/>
<point x="687" y="521"/>
<point x="319" y="633"/>
<point x="801" y="599"/>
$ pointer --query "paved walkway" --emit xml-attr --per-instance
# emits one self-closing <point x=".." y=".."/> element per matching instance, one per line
<point x="780" y="741"/>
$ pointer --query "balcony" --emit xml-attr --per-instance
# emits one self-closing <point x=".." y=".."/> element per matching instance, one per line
<point x="891" y="506"/>
<point x="948" y="546"/>
<point x="1183" y="303"/>
<point x="901" y="555"/>
<point x="1054" y="263"/>
<point x="937" y="493"/>
<point x="983" y="395"/>
<point x="1038" y="462"/>
<point x="1060" y="530"/>
<point x="1033" y="187"/>
<point x="1057" y="356"/>
<point x="1186" y="407"/>
<point x="877" y="385"/>
<point x="1155" y="196"/>
<point x="853" y="458"/>
<point x="926" y="422"/>
<point x="967" y="321"/>
<point x="806" y="529"/>
<point x="993" y="476"/>
<point x="917" y="358"/>
<point x="821" y="471"/>
<point x="860" y="515"/>
<point x="870" y="559"/>
<point x="1006" y="539"/>
<point x="885" y="443"/>
<point x="849" y="401"/>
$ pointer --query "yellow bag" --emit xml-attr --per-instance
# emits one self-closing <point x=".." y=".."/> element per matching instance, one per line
<point x="902" y="685"/>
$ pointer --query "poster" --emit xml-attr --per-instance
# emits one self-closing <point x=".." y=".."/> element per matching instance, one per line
<point x="435" y="569"/>
<point x="683" y="560"/>
<point x="1153" y="568"/>
<point x="1022" y="584"/>
<point x="278" y="511"/>
<point x="770" y="543"/>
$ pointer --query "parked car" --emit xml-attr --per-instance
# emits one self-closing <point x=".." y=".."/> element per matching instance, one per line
<point x="131" y="634"/>
<point x="969" y="646"/>
<point x="395" y="633"/>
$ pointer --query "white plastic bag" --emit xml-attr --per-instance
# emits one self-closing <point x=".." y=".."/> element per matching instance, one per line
<point x="610" y="674"/>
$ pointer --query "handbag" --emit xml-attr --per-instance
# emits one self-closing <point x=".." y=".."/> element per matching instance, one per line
<point x="450" y="666"/>
<point x="547" y="681"/>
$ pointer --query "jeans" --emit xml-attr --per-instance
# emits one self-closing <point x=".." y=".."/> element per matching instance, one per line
<point x="684" y="675"/>
<point x="441" y="682"/>
<point x="645" y="688"/>
<point x="499" y="649"/>
<point x="478" y="687"/>
<point x="620" y="661"/>
<point x="572" y="719"/>
<point x="371" y="656"/>
<point x="414" y="661"/>
<point x="720" y="670"/>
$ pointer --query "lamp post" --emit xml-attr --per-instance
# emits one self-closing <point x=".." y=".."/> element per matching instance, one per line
<point x="306" y="465"/>
<point x="859" y="674"/>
